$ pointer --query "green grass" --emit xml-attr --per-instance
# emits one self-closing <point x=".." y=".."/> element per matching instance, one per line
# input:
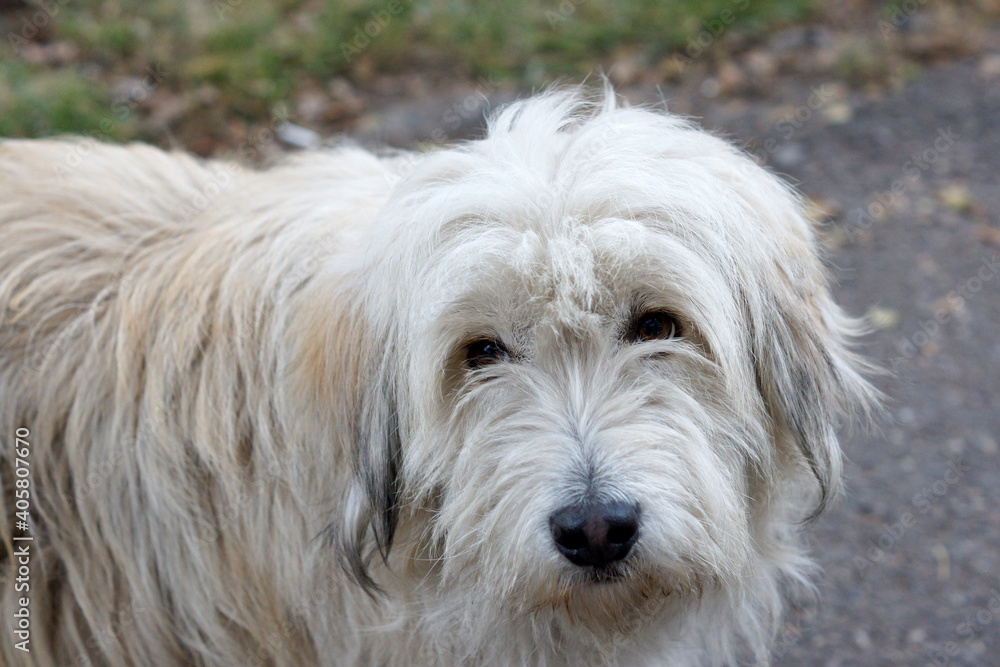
<point x="42" y="103"/>
<point x="257" y="53"/>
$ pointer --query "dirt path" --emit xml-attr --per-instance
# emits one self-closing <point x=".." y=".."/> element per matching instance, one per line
<point x="912" y="553"/>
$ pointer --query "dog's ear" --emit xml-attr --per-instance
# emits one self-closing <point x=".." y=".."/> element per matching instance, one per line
<point x="372" y="507"/>
<point x="806" y="373"/>
<point x="348" y="379"/>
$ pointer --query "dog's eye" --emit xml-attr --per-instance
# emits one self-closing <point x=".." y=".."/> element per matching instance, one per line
<point x="655" y="325"/>
<point x="484" y="352"/>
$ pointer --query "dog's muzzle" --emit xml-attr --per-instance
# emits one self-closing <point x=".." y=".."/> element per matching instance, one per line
<point x="595" y="534"/>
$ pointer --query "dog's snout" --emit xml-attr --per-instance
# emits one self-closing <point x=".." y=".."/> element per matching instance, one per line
<point x="595" y="534"/>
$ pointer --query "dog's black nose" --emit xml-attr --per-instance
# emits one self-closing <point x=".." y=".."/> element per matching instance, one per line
<point x="595" y="534"/>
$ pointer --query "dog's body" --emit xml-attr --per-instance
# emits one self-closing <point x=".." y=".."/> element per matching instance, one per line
<point x="559" y="396"/>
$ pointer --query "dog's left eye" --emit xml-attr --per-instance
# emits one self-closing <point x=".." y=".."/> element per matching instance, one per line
<point x="484" y="352"/>
<point x="655" y="325"/>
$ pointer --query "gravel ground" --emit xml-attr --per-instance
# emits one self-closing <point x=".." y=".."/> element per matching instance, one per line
<point x="911" y="554"/>
<point x="909" y="183"/>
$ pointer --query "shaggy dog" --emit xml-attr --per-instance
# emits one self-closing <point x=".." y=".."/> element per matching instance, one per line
<point x="560" y="396"/>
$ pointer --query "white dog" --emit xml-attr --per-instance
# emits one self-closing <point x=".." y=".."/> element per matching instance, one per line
<point x="560" y="396"/>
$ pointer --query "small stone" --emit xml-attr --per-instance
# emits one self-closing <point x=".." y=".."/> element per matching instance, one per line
<point x="989" y="66"/>
<point x="51" y="54"/>
<point x="882" y="318"/>
<point x="987" y="234"/>
<point x="761" y="63"/>
<point x="926" y="265"/>
<point x="625" y="69"/>
<point x="730" y="78"/>
<point x="789" y="155"/>
<point x="940" y="552"/>
<point x="838" y="113"/>
<point x="984" y="443"/>
<point x="311" y="104"/>
<point x="956" y="197"/>
<point x="906" y="416"/>
<point x="298" y="136"/>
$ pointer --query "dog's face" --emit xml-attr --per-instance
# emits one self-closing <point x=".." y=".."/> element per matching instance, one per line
<point x="600" y="376"/>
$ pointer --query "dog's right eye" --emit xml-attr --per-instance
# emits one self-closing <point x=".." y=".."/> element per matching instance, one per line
<point x="484" y="352"/>
<point x="655" y="325"/>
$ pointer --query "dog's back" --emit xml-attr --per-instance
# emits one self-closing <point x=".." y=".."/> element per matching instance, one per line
<point x="71" y="214"/>
<point x="75" y="217"/>
<point x="126" y="273"/>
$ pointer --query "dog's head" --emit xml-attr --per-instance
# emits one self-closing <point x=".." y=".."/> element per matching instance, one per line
<point x="600" y="377"/>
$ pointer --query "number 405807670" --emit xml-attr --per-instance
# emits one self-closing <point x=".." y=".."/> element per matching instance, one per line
<point x="22" y="470"/>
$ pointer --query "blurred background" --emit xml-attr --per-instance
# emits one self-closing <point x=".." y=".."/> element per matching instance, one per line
<point x="886" y="115"/>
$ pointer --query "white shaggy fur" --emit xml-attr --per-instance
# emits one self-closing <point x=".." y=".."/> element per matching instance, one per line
<point x="256" y="439"/>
